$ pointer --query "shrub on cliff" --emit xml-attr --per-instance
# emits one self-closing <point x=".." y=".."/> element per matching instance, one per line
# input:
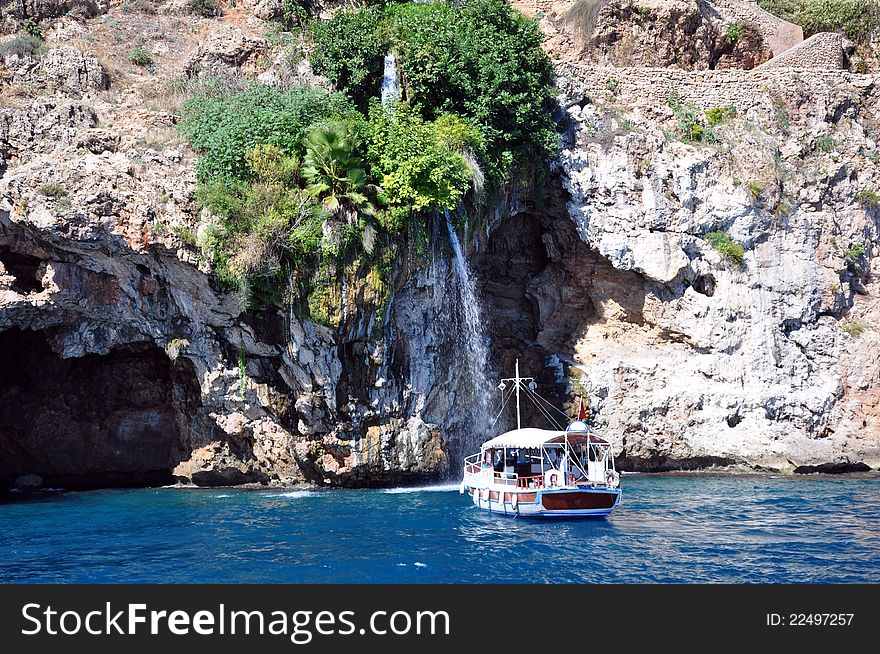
<point x="203" y="8"/>
<point x="223" y="128"/>
<point x="335" y="175"/>
<point x="726" y="246"/>
<point x="857" y="19"/>
<point x="268" y="226"/>
<point x="689" y="127"/>
<point x="481" y="60"/>
<point x="868" y="198"/>
<point x="21" y="46"/>
<point x="420" y="165"/>
<point x="303" y="183"/>
<point x="349" y="50"/>
<point x="140" y="56"/>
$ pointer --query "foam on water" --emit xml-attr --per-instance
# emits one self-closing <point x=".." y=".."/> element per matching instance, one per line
<point x="293" y="494"/>
<point x="441" y="488"/>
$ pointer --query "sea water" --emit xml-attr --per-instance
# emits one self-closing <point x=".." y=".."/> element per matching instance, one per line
<point x="687" y="528"/>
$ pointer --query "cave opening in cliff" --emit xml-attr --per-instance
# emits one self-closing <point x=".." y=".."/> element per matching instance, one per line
<point x="24" y="268"/>
<point x="94" y="421"/>
<point x="542" y="287"/>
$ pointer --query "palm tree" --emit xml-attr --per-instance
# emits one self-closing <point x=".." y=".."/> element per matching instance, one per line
<point x="334" y="174"/>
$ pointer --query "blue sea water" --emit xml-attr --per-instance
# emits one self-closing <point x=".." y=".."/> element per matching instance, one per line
<point x="686" y="528"/>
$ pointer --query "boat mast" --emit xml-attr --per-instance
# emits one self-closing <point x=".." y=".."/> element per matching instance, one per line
<point x="517" y="381"/>
<point x="517" y="395"/>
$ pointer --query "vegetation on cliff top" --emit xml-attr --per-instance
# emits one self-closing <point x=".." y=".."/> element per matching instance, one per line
<point x="305" y="183"/>
<point x="857" y="19"/>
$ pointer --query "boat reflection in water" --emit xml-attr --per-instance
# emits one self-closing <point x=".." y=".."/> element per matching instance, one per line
<point x="543" y="473"/>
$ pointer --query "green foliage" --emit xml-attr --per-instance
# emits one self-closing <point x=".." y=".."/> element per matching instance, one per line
<point x="53" y="190"/>
<point x="223" y="128"/>
<point x="32" y="28"/>
<point x="140" y="56"/>
<point x="420" y="164"/>
<point x="24" y="45"/>
<point x="825" y="142"/>
<point x="63" y="204"/>
<point x="334" y="174"/>
<point x="855" y="251"/>
<point x="295" y="13"/>
<point x="868" y="198"/>
<point x="726" y="246"/>
<point x="689" y="128"/>
<point x="716" y="115"/>
<point x="185" y="233"/>
<point x="756" y="189"/>
<point x="305" y="188"/>
<point x="269" y="231"/>
<point x="612" y="84"/>
<point x="855" y="328"/>
<point x="481" y="60"/>
<point x="857" y="19"/>
<point x="733" y="33"/>
<point x="349" y="50"/>
<point x="484" y="62"/>
<point x="203" y="8"/>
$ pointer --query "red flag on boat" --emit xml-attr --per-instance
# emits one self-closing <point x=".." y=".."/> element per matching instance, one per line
<point x="582" y="412"/>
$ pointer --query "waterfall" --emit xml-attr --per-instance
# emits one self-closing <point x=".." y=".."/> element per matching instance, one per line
<point x="390" y="86"/>
<point x="472" y="356"/>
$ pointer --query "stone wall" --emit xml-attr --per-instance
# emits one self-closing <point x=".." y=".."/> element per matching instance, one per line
<point x="753" y="93"/>
<point x="779" y="34"/>
<point x="823" y="50"/>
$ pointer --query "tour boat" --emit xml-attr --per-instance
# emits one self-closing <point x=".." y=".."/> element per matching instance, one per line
<point x="544" y="473"/>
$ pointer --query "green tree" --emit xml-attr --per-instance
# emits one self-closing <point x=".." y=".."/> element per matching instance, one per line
<point x="334" y="174"/>
<point x="223" y="127"/>
<point x="349" y="50"/>
<point x="420" y="165"/>
<point x="481" y="60"/>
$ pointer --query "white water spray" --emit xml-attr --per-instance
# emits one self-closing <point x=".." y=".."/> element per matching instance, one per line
<point x="472" y="357"/>
<point x="390" y="85"/>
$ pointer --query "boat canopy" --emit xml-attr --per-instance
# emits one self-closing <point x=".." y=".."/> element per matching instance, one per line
<point x="531" y="437"/>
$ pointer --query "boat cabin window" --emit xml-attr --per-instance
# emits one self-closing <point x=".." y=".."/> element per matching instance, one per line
<point x="597" y="453"/>
<point x="521" y="460"/>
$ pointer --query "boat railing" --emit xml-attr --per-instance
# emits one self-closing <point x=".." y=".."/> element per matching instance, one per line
<point x="534" y="481"/>
<point x="537" y="481"/>
<point x="473" y="465"/>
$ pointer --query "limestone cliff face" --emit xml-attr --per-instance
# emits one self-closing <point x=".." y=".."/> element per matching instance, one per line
<point x="124" y="362"/>
<point x="764" y="362"/>
<point x="689" y="358"/>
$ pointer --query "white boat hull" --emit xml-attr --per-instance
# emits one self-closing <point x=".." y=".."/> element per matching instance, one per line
<point x="565" y="502"/>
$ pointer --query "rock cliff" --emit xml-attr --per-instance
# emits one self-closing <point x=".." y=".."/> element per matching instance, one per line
<point x="124" y="363"/>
